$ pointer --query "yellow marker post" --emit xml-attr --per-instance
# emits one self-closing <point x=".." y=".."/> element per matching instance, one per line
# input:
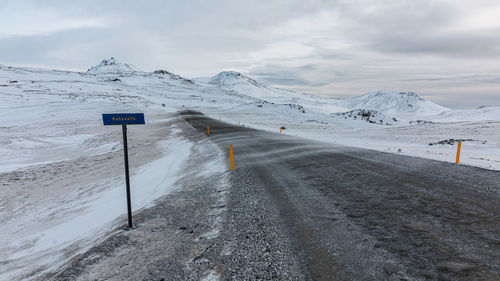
<point x="458" y="151"/>
<point x="231" y="156"/>
<point x="281" y="130"/>
<point x="208" y="130"/>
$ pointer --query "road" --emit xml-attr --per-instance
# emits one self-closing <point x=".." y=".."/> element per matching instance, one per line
<point x="352" y="214"/>
<point x="302" y="210"/>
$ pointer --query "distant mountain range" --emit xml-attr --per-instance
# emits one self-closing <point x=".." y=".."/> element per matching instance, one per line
<point x="384" y="102"/>
<point x="385" y="107"/>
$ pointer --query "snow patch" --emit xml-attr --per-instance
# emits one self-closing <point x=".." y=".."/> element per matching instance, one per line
<point x="212" y="275"/>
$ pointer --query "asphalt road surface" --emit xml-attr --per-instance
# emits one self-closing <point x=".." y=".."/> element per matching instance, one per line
<point x="302" y="210"/>
<point x="352" y="214"/>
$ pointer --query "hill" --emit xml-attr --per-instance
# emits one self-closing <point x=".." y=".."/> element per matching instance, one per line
<point x="395" y="104"/>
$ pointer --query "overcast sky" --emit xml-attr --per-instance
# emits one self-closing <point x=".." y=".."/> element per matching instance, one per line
<point x="445" y="50"/>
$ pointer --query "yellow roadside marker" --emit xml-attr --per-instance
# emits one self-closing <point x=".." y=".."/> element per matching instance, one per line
<point x="208" y="130"/>
<point x="458" y="151"/>
<point x="231" y="156"/>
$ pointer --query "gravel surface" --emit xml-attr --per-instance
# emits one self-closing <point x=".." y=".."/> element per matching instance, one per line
<point x="300" y="210"/>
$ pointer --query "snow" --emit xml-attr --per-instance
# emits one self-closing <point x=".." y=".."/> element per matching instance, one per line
<point x="241" y="84"/>
<point x="212" y="275"/>
<point x="84" y="216"/>
<point x="111" y="66"/>
<point x="402" y="103"/>
<point x="482" y="113"/>
<point x="233" y="78"/>
<point x="62" y="170"/>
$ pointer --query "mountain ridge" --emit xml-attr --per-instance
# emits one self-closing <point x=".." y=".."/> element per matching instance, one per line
<point x="392" y="104"/>
<point x="388" y="103"/>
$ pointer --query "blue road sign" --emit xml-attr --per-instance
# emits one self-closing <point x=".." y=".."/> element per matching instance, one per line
<point x="123" y="119"/>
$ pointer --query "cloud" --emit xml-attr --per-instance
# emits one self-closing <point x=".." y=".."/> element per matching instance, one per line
<point x="33" y="20"/>
<point x="486" y="79"/>
<point x="479" y="44"/>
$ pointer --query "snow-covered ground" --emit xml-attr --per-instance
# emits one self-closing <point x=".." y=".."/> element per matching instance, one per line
<point x="61" y="170"/>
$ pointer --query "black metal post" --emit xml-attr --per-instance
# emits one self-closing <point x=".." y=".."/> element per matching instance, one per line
<point x="127" y="178"/>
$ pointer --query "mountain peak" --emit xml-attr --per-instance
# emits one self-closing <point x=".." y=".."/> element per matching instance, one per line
<point x="399" y="94"/>
<point x="231" y="78"/>
<point x="111" y="66"/>
<point x="230" y="73"/>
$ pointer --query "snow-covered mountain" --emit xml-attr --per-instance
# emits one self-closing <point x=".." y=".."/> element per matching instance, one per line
<point x="111" y="66"/>
<point x="395" y="104"/>
<point x="234" y="79"/>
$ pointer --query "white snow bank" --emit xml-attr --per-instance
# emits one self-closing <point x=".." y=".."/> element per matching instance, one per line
<point x="86" y="218"/>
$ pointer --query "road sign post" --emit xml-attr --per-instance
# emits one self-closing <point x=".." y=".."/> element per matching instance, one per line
<point x="125" y="119"/>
